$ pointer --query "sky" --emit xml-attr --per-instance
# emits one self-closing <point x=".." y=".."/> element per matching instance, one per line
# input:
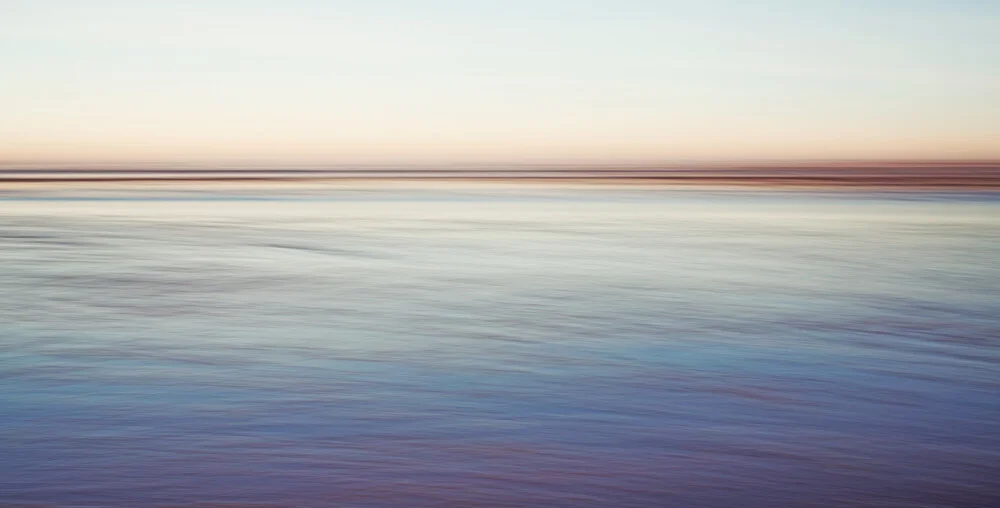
<point x="498" y="80"/>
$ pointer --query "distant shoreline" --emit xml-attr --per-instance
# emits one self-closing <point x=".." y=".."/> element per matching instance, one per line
<point x="943" y="175"/>
<point x="907" y="182"/>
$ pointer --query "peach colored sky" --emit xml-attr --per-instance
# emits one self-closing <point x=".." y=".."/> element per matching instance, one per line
<point x="438" y="80"/>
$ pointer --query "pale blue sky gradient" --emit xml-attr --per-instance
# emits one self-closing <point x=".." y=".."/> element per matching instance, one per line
<point x="500" y="80"/>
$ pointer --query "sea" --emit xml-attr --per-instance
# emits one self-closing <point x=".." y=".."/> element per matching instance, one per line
<point x="498" y="345"/>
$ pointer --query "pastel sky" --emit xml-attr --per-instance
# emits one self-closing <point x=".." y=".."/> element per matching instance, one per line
<point x="498" y="80"/>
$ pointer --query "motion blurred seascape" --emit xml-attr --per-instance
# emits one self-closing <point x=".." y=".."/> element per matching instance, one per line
<point x="498" y="344"/>
<point x="499" y="254"/>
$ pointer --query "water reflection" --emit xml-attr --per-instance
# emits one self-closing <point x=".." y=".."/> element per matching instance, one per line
<point x="494" y="348"/>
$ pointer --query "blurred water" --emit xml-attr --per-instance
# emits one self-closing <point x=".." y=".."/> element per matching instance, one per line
<point x="494" y="347"/>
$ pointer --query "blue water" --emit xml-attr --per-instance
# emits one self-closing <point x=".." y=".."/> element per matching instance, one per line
<point x="493" y="346"/>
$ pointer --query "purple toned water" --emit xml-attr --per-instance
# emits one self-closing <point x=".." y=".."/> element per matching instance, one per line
<point x="490" y="346"/>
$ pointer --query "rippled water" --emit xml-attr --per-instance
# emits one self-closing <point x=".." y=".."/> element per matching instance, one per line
<point x="545" y="347"/>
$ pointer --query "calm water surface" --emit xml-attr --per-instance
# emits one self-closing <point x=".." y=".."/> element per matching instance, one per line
<point x="487" y="347"/>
